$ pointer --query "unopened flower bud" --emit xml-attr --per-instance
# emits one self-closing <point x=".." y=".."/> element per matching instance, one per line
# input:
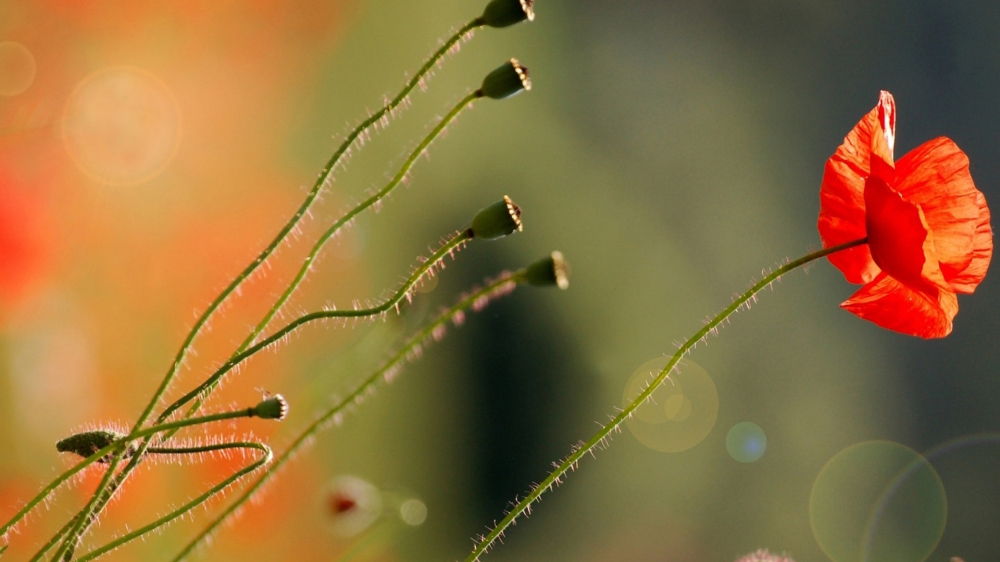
<point x="273" y="408"/>
<point x="88" y="443"/>
<point x="502" y="13"/>
<point x="552" y="270"/>
<point x="509" y="79"/>
<point x="497" y="220"/>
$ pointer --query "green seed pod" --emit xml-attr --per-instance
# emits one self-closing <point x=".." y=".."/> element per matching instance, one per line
<point x="497" y="220"/>
<point x="509" y="79"/>
<point x="273" y="408"/>
<point x="552" y="270"/>
<point x="503" y="13"/>
<point x="89" y="442"/>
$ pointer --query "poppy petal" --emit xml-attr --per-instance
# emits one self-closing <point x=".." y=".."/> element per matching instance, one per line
<point x="935" y="176"/>
<point x="842" y="199"/>
<point x="899" y="239"/>
<point x="894" y="306"/>
<point x="982" y="250"/>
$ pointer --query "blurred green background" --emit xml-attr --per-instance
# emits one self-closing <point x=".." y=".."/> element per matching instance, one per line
<point x="670" y="149"/>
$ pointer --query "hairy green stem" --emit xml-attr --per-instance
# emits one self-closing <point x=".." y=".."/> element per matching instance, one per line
<point x="97" y="504"/>
<point x="179" y="512"/>
<point x="499" y="286"/>
<point x="334" y="228"/>
<point x="116" y="447"/>
<point x="555" y="477"/>
<point x="456" y="241"/>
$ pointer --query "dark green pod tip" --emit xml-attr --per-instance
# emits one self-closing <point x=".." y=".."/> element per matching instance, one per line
<point x="272" y="408"/>
<point x="509" y="79"/>
<point x="503" y="13"/>
<point x="552" y="270"/>
<point x="88" y="443"/>
<point x="497" y="220"/>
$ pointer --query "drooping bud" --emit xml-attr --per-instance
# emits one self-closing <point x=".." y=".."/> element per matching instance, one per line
<point x="89" y="442"/>
<point x="497" y="220"/>
<point x="272" y="408"/>
<point x="507" y="80"/>
<point x="552" y="270"/>
<point x="503" y="13"/>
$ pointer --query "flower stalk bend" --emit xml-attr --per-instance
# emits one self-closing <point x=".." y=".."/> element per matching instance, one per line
<point x="500" y="286"/>
<point x="101" y="495"/>
<point x="313" y="255"/>
<point x="555" y="477"/>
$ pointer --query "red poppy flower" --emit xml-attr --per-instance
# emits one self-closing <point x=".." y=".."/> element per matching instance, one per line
<point x="927" y="225"/>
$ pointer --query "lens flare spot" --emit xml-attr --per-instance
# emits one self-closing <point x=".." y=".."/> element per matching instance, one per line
<point x="17" y="68"/>
<point x="878" y="501"/>
<point x="679" y="414"/>
<point x="122" y="126"/>
<point x="677" y="408"/>
<point x="746" y="442"/>
<point x="413" y="512"/>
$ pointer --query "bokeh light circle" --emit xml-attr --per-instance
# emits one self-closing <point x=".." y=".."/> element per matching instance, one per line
<point x="413" y="512"/>
<point x="746" y="442"/>
<point x="122" y="126"/>
<point x="683" y="409"/>
<point x="878" y="501"/>
<point x="17" y="68"/>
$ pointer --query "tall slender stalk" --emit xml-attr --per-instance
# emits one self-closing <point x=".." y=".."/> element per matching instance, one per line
<point x="121" y="447"/>
<point x="311" y="258"/>
<point x="555" y="477"/>
<point x="100" y="497"/>
<point x="456" y="241"/>
<point x="264" y="458"/>
<point x="501" y="285"/>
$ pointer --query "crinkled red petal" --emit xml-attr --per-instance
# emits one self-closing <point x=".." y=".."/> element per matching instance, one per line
<point x="936" y="177"/>
<point x="966" y="280"/>
<point x="894" y="306"/>
<point x="842" y="201"/>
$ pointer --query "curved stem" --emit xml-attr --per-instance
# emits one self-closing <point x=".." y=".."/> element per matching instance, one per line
<point x="334" y="228"/>
<point x="324" y="176"/>
<point x="179" y="512"/>
<point x="502" y="285"/>
<point x="555" y="477"/>
<point x="116" y="446"/>
<point x="455" y="242"/>
<point x="379" y="116"/>
<point x="119" y="446"/>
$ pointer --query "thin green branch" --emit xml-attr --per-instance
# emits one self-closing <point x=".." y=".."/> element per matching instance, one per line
<point x="119" y="446"/>
<point x="455" y="242"/>
<point x="381" y="115"/>
<point x="555" y="477"/>
<point x="334" y="228"/>
<point x="500" y="286"/>
<point x="448" y="248"/>
<point x="179" y="512"/>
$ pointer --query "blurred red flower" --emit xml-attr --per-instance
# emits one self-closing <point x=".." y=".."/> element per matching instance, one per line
<point x="927" y="225"/>
<point x="24" y="244"/>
